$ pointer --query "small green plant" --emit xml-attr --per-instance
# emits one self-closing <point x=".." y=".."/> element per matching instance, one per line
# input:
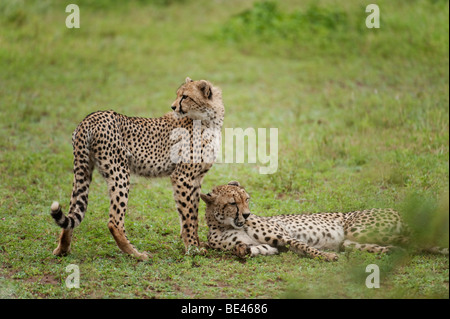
<point x="428" y="220"/>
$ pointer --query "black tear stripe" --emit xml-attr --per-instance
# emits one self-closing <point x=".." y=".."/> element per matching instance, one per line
<point x="181" y="110"/>
<point x="237" y="208"/>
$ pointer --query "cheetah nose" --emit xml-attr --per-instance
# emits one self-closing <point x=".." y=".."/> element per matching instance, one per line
<point x="246" y="215"/>
<point x="173" y="107"/>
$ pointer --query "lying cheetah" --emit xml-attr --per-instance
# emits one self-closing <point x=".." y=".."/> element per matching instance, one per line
<point x="233" y="227"/>
<point x="119" y="145"/>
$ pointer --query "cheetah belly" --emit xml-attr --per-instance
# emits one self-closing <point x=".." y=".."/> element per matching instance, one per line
<point x="320" y="234"/>
<point x="148" y="147"/>
<point x="151" y="168"/>
<point x="323" y="238"/>
<point x="152" y="160"/>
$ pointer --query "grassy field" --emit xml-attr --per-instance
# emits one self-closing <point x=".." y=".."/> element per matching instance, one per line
<point x="362" y="117"/>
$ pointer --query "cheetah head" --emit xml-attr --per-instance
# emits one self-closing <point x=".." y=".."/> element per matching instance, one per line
<point x="228" y="204"/>
<point x="195" y="99"/>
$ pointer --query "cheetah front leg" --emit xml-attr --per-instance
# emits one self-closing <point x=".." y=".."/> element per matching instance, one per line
<point x="243" y="250"/>
<point x="238" y="242"/>
<point x="280" y="238"/>
<point x="186" y="191"/>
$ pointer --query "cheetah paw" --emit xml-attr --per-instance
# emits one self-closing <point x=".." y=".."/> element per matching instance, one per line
<point x="330" y="256"/>
<point x="196" y="250"/>
<point x="242" y="250"/>
<point x="204" y="245"/>
<point x="142" y="256"/>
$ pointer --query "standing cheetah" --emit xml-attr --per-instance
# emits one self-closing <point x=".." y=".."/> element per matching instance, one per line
<point x="119" y="146"/>
<point x="233" y="227"/>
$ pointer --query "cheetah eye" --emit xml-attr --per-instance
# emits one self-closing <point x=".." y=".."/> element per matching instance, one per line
<point x="247" y="200"/>
<point x="184" y="97"/>
<point x="234" y="203"/>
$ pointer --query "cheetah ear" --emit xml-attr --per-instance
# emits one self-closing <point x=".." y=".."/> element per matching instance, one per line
<point x="188" y="79"/>
<point x="205" y="87"/>
<point x="234" y="183"/>
<point x="208" y="198"/>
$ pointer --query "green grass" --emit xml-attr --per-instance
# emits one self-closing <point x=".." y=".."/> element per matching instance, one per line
<point x="362" y="118"/>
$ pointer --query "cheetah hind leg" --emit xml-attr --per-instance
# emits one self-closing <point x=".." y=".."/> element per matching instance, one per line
<point x="118" y="192"/>
<point x="117" y="229"/>
<point x="303" y="249"/>
<point x="124" y="244"/>
<point x="65" y="239"/>
<point x="371" y="248"/>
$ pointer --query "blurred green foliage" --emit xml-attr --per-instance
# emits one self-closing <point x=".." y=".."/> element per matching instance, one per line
<point x="265" y="21"/>
<point x="328" y="29"/>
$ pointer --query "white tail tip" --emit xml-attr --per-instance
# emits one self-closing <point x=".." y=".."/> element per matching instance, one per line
<point x="55" y="206"/>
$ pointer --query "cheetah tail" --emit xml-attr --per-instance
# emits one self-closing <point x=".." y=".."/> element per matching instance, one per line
<point x="62" y="220"/>
<point x="436" y="250"/>
<point x="83" y="168"/>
